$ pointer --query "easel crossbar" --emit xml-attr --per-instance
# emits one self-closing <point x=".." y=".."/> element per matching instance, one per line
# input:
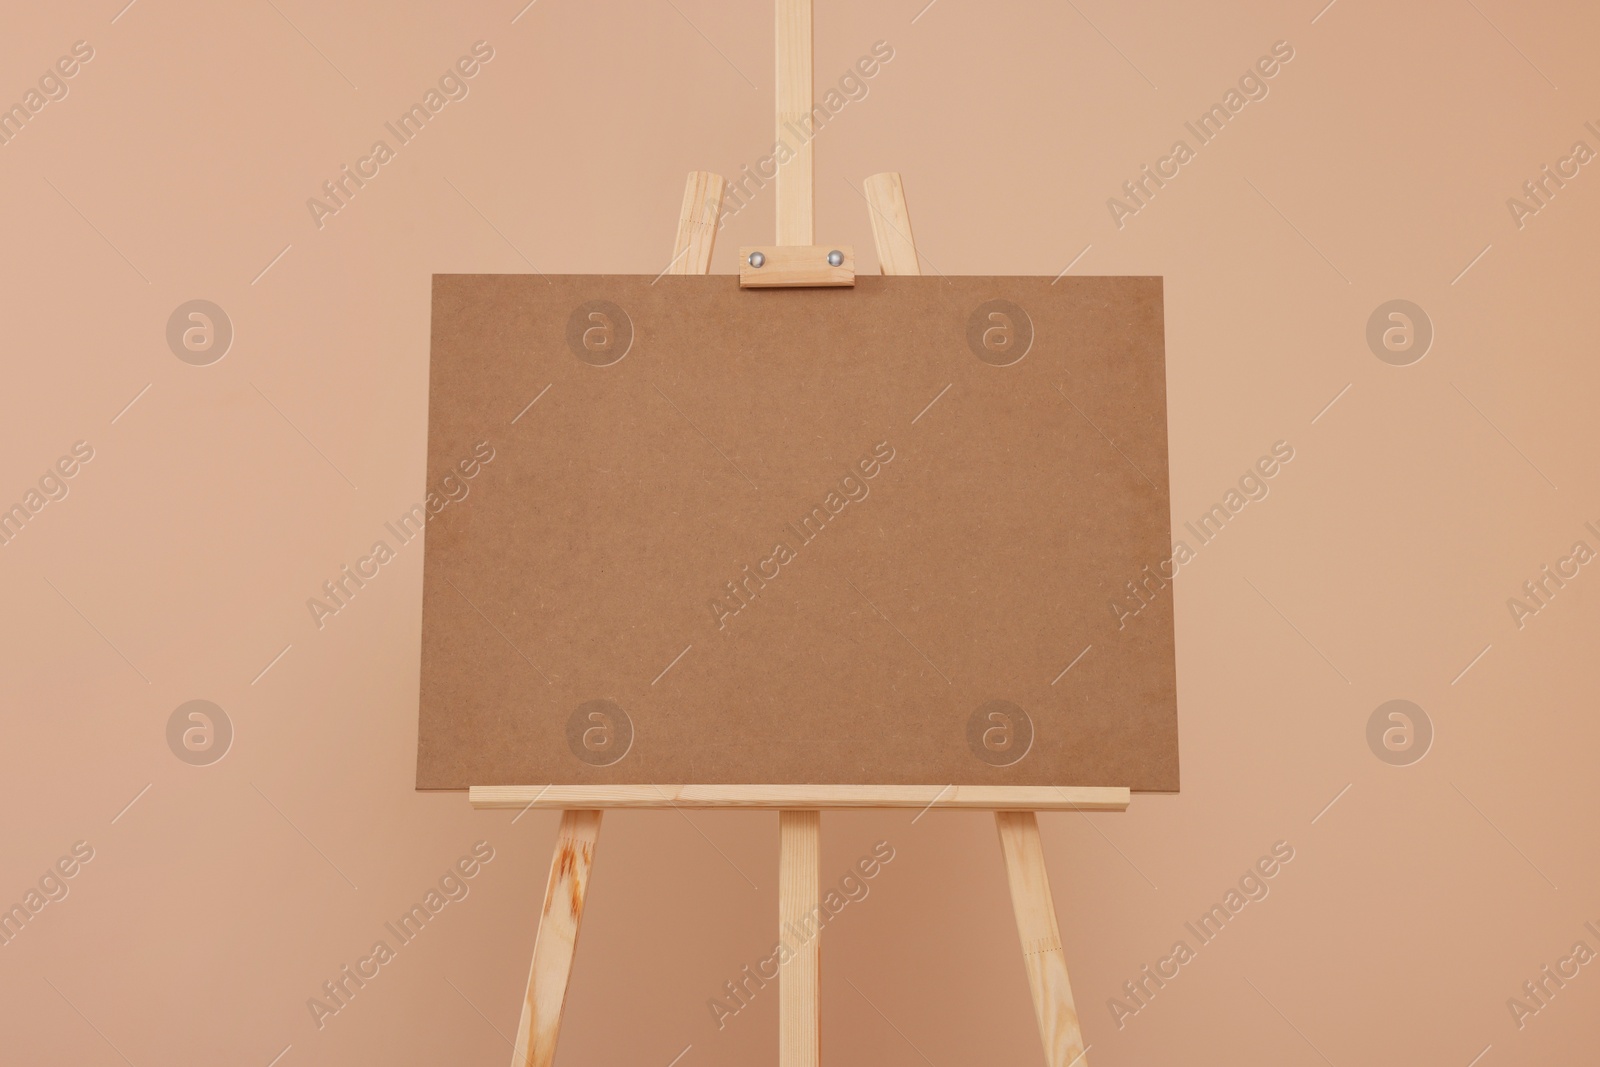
<point x="811" y="797"/>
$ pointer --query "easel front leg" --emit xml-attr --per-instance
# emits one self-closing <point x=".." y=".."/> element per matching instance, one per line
<point x="1019" y="830"/>
<point x="557" y="939"/>
<point x="799" y="927"/>
<point x="580" y="829"/>
<point x="1041" y="938"/>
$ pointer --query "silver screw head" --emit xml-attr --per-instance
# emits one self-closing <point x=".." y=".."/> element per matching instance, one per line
<point x="757" y="259"/>
<point x="835" y="258"/>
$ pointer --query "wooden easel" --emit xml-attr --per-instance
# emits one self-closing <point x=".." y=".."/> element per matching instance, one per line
<point x="796" y="261"/>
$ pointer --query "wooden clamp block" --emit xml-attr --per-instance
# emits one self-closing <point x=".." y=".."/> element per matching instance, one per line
<point x="796" y="266"/>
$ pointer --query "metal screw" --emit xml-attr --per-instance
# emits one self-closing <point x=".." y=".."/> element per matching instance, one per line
<point x="835" y="258"/>
<point x="757" y="259"/>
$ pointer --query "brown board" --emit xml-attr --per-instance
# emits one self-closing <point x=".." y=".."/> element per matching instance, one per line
<point x="681" y="532"/>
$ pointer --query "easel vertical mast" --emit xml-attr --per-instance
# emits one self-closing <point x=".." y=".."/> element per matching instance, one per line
<point x="799" y="832"/>
<point x="795" y="186"/>
<point x="799" y="980"/>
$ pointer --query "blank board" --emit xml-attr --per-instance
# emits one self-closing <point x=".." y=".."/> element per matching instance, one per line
<point x="680" y="532"/>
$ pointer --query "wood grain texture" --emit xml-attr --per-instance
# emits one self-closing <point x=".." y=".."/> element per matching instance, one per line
<point x="697" y="223"/>
<point x="778" y="797"/>
<point x="1042" y="957"/>
<point x="796" y="266"/>
<point x="557" y="940"/>
<point x="891" y="224"/>
<point x="794" y="181"/>
<point x="799" y="897"/>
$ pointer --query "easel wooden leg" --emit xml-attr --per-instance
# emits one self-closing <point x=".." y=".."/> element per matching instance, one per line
<point x="557" y="939"/>
<point x="891" y="224"/>
<point x="574" y="856"/>
<point x="697" y="223"/>
<point x="799" y="903"/>
<point x="1041" y="938"/>
<point x="1019" y="830"/>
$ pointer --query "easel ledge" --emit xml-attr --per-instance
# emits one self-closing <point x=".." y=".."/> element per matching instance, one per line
<point x="813" y="797"/>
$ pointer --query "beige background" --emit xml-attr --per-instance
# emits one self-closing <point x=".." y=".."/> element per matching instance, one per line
<point x="178" y="566"/>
